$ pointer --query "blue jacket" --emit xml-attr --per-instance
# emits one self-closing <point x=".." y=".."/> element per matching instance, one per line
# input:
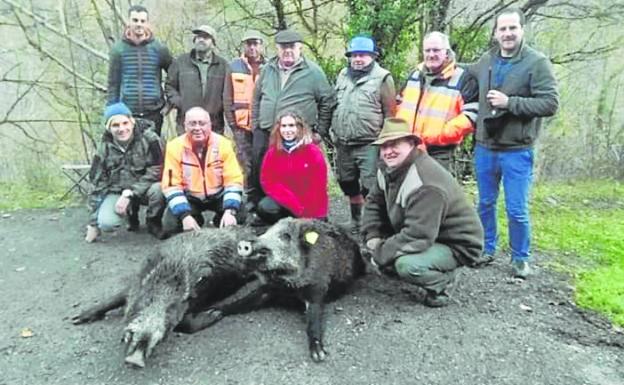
<point x="135" y="74"/>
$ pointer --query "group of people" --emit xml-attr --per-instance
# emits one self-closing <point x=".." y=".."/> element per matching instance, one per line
<point x="393" y="151"/>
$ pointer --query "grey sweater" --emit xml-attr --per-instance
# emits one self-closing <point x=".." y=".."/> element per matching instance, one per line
<point x="532" y="91"/>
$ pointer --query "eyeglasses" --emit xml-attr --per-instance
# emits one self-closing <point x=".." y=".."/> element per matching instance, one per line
<point x="196" y="123"/>
<point x="433" y="50"/>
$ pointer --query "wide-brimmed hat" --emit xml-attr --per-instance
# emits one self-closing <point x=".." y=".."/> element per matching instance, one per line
<point x="206" y="29"/>
<point x="288" y="36"/>
<point x="393" y="129"/>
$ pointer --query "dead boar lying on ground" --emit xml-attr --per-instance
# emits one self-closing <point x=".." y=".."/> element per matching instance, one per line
<point x="175" y="287"/>
<point x="308" y="259"/>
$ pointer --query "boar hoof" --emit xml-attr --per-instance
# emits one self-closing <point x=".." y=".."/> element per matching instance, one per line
<point x="317" y="352"/>
<point x="136" y="359"/>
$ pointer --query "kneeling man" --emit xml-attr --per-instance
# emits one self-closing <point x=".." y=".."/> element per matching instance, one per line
<point x="416" y="218"/>
<point x="125" y="173"/>
<point x="201" y="173"/>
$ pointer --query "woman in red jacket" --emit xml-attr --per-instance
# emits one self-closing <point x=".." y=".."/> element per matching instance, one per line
<point x="293" y="174"/>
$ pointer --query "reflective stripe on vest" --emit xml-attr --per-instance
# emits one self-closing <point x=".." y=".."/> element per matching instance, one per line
<point x="243" y="88"/>
<point x="428" y="114"/>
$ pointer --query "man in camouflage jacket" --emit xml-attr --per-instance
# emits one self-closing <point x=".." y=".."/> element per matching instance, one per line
<point x="125" y="173"/>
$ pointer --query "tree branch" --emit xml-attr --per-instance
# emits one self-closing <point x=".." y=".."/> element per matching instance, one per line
<point x="50" y="27"/>
<point x="38" y="47"/>
<point x="582" y="54"/>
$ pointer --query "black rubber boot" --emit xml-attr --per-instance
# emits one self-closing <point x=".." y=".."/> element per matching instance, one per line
<point x="133" y="218"/>
<point x="356" y="218"/>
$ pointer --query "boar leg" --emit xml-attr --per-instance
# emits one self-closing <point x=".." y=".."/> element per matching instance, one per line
<point x="314" y="318"/>
<point x="98" y="311"/>
<point x="251" y="296"/>
<point x="192" y="323"/>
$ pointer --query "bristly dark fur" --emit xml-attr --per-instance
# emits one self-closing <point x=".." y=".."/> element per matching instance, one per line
<point x="182" y="278"/>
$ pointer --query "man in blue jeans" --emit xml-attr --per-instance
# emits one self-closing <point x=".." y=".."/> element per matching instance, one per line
<point x="516" y="89"/>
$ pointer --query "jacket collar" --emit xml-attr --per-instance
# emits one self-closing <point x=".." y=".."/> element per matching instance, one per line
<point x="495" y="52"/>
<point x="446" y="72"/>
<point x="262" y="60"/>
<point x="188" y="144"/>
<point x="129" y="37"/>
<point x="213" y="57"/>
<point x="274" y="62"/>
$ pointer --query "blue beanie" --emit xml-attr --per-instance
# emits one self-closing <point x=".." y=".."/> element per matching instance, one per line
<point x="116" y="109"/>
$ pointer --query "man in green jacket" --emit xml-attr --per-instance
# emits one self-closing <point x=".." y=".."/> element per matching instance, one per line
<point x="516" y="89"/>
<point x="416" y="218"/>
<point x="288" y="82"/>
<point x="200" y="78"/>
<point x="366" y="96"/>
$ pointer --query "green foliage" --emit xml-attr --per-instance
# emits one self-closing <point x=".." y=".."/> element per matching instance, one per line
<point x="469" y="43"/>
<point x="394" y="26"/>
<point x="40" y="184"/>
<point x="603" y="289"/>
<point x="582" y="224"/>
<point x="332" y="65"/>
<point x="17" y="196"/>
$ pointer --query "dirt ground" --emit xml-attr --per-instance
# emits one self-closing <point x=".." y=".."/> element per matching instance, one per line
<point x="496" y="331"/>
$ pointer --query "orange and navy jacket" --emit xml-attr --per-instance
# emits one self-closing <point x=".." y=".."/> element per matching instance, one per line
<point x="443" y="112"/>
<point x="243" y="84"/>
<point x="184" y="175"/>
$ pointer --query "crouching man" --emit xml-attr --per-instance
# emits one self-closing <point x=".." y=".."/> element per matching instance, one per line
<point x="201" y="173"/>
<point x="125" y="173"/>
<point x="416" y="218"/>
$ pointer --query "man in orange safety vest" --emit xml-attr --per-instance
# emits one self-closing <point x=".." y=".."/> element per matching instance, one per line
<point x="245" y="71"/>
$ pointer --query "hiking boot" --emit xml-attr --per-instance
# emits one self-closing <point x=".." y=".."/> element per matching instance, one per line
<point x="154" y="227"/>
<point x="434" y="299"/>
<point x="520" y="269"/>
<point x="133" y="220"/>
<point x="486" y="258"/>
<point x="256" y="221"/>
<point x="355" y="228"/>
<point x="442" y="299"/>
<point x="356" y="218"/>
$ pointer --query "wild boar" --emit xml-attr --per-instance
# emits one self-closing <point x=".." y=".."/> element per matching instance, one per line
<point x="175" y="287"/>
<point x="303" y="258"/>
